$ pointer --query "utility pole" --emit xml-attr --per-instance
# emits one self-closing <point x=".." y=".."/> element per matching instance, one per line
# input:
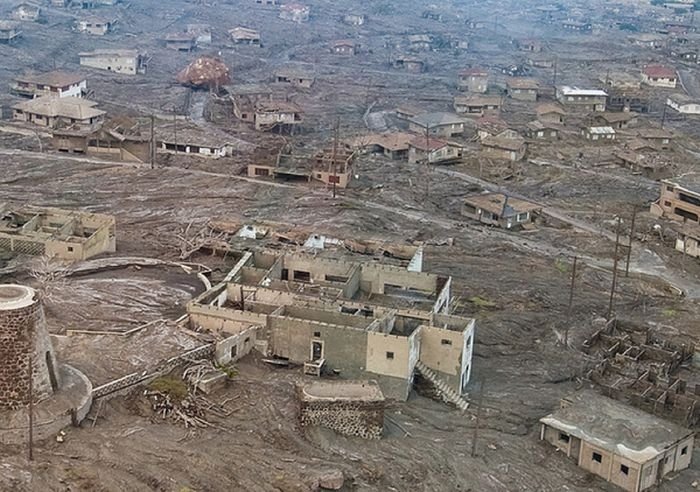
<point x="478" y="417"/>
<point x="31" y="408"/>
<point x="663" y="115"/>
<point x="427" y="160"/>
<point x="629" y="245"/>
<point x="175" y="130"/>
<point x="336" y="132"/>
<point x="554" y="80"/>
<point x="153" y="142"/>
<point x="614" y="273"/>
<point x="571" y="302"/>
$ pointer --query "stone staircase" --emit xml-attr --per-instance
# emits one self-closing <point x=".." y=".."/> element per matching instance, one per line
<point x="447" y="393"/>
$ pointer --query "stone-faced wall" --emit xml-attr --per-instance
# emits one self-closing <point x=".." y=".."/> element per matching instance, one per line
<point x="23" y="335"/>
<point x="349" y="418"/>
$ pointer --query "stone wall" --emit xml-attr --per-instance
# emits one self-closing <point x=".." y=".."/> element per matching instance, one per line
<point x="23" y="332"/>
<point x="349" y="418"/>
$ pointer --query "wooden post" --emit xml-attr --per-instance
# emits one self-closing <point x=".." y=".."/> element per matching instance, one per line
<point x="427" y="160"/>
<point x="614" y="273"/>
<point x="571" y="302"/>
<point x="629" y="245"/>
<point x="153" y="142"/>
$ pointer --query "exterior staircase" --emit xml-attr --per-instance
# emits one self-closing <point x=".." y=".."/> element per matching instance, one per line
<point x="447" y="393"/>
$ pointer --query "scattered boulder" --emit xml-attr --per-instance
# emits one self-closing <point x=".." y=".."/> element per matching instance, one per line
<point x="331" y="480"/>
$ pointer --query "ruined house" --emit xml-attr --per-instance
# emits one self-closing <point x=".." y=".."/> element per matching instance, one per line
<point x="581" y="100"/>
<point x="119" y="139"/>
<point x="659" y="137"/>
<point x="294" y="77"/>
<point x="361" y="320"/>
<point x="409" y="63"/>
<point x="651" y="166"/>
<point x="180" y="41"/>
<point x="189" y="139"/>
<point x="478" y="105"/>
<point x="244" y="35"/>
<point x="129" y="62"/>
<point x="56" y="84"/>
<point x="530" y="45"/>
<point x="686" y="55"/>
<point x="683" y="104"/>
<point x="433" y="151"/>
<point x="281" y="115"/>
<point x="439" y="124"/>
<point x="511" y="148"/>
<point x="500" y="210"/>
<point x="295" y="12"/>
<point x="619" y="121"/>
<point x="538" y="130"/>
<point x="577" y="26"/>
<point x="490" y="126"/>
<point x="26" y="12"/>
<point x="201" y="33"/>
<point x="659" y="76"/>
<point x="54" y="112"/>
<point x="95" y="26"/>
<point x="647" y="40"/>
<point x="625" y="446"/>
<point x="64" y="234"/>
<point x="354" y="19"/>
<point x="679" y="200"/>
<point x="392" y="145"/>
<point x="9" y="32"/>
<point x="420" y="42"/>
<point x="522" y="89"/>
<point x="473" y="80"/>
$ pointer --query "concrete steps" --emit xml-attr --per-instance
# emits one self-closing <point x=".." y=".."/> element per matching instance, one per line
<point x="447" y="393"/>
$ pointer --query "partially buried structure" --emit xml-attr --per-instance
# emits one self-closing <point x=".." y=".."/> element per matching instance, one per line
<point x="500" y="210"/>
<point x="60" y="394"/>
<point x="624" y="445"/>
<point x="65" y="234"/>
<point x="359" y="320"/>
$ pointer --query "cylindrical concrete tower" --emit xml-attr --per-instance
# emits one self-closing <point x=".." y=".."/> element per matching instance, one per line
<point x="24" y="339"/>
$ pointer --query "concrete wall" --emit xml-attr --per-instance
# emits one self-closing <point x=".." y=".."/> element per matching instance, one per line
<point x="113" y="63"/>
<point x="390" y="355"/>
<point x="374" y="277"/>
<point x="225" y="353"/>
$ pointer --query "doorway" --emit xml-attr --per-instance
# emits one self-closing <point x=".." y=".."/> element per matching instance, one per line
<point x="316" y="350"/>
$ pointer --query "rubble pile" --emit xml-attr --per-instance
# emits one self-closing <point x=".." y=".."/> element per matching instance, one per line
<point x="205" y="73"/>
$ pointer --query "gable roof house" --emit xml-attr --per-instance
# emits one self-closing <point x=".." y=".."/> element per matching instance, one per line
<point x="583" y="100"/>
<point x="9" y="31"/>
<point x="500" y="210"/>
<point x="438" y="124"/>
<point x="244" y="35"/>
<point x="522" y="89"/>
<point x="473" y="79"/>
<point x="550" y="113"/>
<point x="599" y="133"/>
<point x="436" y="151"/>
<point x="659" y="137"/>
<point x="659" y="76"/>
<point x="26" y="12"/>
<point x="539" y="130"/>
<point x="295" y="12"/>
<point x="180" y="41"/>
<point x="344" y="47"/>
<point x="504" y="147"/>
<point x="624" y="445"/>
<point x="96" y="26"/>
<point x="56" y="84"/>
<point x="477" y="104"/>
<point x="618" y="121"/>
<point x="130" y="62"/>
<point x="54" y="112"/>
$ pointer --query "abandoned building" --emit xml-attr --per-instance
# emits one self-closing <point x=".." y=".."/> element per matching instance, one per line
<point x="118" y="139"/>
<point x="392" y="145"/>
<point x="616" y="120"/>
<point x="332" y="166"/>
<point x="490" y="126"/>
<point x="635" y="100"/>
<point x="577" y="26"/>
<point x="350" y="408"/>
<point x="530" y="45"/>
<point x="550" y="113"/>
<point x="295" y="12"/>
<point x="180" y="41"/>
<point x="294" y="77"/>
<point x="420" y="42"/>
<point x="201" y="33"/>
<point x="58" y="394"/>
<point x="130" y="62"/>
<point x="659" y="76"/>
<point x="26" y="12"/>
<point x="344" y="47"/>
<point x="511" y="148"/>
<point x="683" y="104"/>
<point x="647" y="40"/>
<point x="95" y="26"/>
<point x="473" y="80"/>
<point x="679" y="200"/>
<point x="522" y="89"/>
<point x="538" y="130"/>
<point x="659" y="137"/>
<point x="581" y="100"/>
<point x="477" y="104"/>
<point x="244" y="35"/>
<point x="621" y="444"/>
<point x="64" y="234"/>
<point x="540" y="61"/>
<point x="189" y="139"/>
<point x="56" y="84"/>
<point x="354" y="19"/>
<point x="437" y="151"/>
<point x="409" y="63"/>
<point x="620" y="80"/>
<point x="599" y="133"/>
<point x="690" y="56"/>
<point x="54" y="112"/>
<point x="360" y="320"/>
<point x="500" y="210"/>
<point x="10" y="32"/>
<point x="438" y="124"/>
<point x="651" y="166"/>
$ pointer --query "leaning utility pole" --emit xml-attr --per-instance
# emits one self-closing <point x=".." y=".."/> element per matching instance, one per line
<point x="571" y="302"/>
<point x="629" y="244"/>
<point x="614" y="273"/>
